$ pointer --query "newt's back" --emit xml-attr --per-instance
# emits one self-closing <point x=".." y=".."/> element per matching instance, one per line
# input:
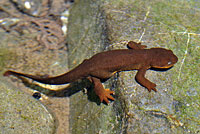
<point x="116" y="60"/>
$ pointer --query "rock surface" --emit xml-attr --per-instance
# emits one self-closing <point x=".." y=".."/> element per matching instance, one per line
<point x="20" y="50"/>
<point x="96" y="26"/>
<point x="20" y="113"/>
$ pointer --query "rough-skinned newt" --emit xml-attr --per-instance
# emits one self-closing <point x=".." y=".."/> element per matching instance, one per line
<point x="105" y="64"/>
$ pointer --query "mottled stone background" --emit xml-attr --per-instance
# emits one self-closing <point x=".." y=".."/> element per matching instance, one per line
<point x="94" y="26"/>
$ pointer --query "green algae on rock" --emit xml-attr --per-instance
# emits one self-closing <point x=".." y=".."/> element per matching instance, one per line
<point x="20" y="113"/>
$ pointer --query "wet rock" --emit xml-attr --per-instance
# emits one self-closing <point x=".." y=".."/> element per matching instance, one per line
<point x="31" y="7"/>
<point x="40" y="8"/>
<point x="21" y="113"/>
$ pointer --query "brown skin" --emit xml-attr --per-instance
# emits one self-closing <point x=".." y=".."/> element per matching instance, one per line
<point x="105" y="64"/>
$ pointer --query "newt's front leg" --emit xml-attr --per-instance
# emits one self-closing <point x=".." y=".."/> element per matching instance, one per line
<point x="104" y="94"/>
<point x="140" y="77"/>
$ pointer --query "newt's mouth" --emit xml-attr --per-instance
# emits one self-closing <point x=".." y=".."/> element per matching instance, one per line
<point x="165" y="67"/>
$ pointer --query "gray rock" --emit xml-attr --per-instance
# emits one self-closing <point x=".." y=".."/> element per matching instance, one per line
<point x="93" y="25"/>
<point x="22" y="114"/>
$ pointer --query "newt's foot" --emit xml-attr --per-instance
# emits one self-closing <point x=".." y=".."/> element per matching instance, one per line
<point x="106" y="95"/>
<point x="152" y="87"/>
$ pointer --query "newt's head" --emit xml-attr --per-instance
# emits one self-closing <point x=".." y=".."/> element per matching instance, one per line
<point x="162" y="58"/>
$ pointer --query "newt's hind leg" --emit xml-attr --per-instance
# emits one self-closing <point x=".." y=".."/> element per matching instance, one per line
<point x="134" y="45"/>
<point x="104" y="94"/>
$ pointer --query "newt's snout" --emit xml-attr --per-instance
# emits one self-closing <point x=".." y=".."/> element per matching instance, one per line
<point x="163" y="58"/>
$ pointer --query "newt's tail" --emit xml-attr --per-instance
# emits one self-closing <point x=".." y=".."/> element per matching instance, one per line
<point x="68" y="77"/>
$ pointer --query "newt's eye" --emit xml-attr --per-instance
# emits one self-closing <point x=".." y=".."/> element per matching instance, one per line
<point x="169" y="63"/>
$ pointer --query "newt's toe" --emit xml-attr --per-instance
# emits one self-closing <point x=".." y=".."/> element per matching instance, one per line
<point x="106" y="96"/>
<point x="152" y="87"/>
<point x="109" y="96"/>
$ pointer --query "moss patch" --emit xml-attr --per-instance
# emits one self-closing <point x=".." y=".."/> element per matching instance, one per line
<point x="172" y="24"/>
